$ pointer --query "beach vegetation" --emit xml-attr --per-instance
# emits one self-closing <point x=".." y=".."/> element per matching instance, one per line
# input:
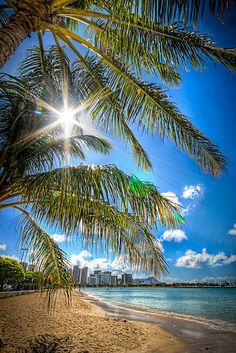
<point x="11" y="272"/>
<point x="33" y="280"/>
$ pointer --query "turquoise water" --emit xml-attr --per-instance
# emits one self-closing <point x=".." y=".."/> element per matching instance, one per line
<point x="209" y="303"/>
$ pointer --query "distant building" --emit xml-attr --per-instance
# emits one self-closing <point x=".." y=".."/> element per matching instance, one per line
<point x="93" y="280"/>
<point x="97" y="272"/>
<point x="114" y="280"/>
<point x="126" y="279"/>
<point x="75" y="273"/>
<point x="105" y="278"/>
<point x="83" y="276"/>
<point x="24" y="265"/>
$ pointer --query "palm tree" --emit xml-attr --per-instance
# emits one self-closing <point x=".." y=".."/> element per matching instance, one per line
<point x="143" y="19"/>
<point x="128" y="39"/>
<point x="106" y="207"/>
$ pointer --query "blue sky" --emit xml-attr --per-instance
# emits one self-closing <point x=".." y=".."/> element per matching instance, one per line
<point x="206" y="245"/>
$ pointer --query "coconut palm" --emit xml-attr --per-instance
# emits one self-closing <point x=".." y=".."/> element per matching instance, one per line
<point x="128" y="39"/>
<point x="143" y="19"/>
<point x="103" y="205"/>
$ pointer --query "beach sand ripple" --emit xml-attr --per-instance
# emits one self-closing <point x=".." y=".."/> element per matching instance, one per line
<point x="25" y="318"/>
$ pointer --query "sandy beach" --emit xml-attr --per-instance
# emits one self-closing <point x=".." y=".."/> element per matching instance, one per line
<point x="87" y="327"/>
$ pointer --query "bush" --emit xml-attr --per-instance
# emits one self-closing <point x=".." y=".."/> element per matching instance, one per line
<point x="33" y="280"/>
<point x="11" y="272"/>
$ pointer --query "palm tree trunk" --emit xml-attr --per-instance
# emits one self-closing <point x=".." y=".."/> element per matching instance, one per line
<point x="21" y="24"/>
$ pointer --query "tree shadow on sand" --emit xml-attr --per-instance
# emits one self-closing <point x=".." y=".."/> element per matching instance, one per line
<point x="49" y="344"/>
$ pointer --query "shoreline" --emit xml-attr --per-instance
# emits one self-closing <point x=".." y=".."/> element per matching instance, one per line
<point x="226" y="326"/>
<point x="199" y="335"/>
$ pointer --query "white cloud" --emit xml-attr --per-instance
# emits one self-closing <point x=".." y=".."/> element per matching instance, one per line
<point x="119" y="264"/>
<point x="171" y="196"/>
<point x="233" y="230"/>
<point x="80" y="259"/>
<point x="192" y="191"/>
<point x="59" y="238"/>
<point x="177" y="235"/>
<point x="192" y="259"/>
<point x="10" y="257"/>
<point x="3" y="247"/>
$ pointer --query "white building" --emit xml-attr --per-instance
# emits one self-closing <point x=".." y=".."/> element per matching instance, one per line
<point x="93" y="280"/>
<point x="105" y="279"/>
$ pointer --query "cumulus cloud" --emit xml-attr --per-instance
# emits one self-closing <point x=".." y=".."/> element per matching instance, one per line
<point x="10" y="257"/>
<point x="83" y="259"/>
<point x="192" y="191"/>
<point x="171" y="196"/>
<point x="59" y="238"/>
<point x="3" y="247"/>
<point x="177" y="235"/>
<point x="233" y="230"/>
<point x="192" y="259"/>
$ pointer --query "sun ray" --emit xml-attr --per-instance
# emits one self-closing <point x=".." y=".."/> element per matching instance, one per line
<point x="29" y="137"/>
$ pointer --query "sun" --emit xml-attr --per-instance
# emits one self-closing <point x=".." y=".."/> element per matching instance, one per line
<point x="67" y="116"/>
<point x="67" y="119"/>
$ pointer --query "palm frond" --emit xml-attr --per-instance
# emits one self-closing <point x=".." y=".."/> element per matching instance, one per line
<point x="48" y="257"/>
<point x="156" y="47"/>
<point x="167" y="11"/>
<point x="108" y="112"/>
<point x="29" y="143"/>
<point x="150" y="107"/>
<point x="61" y="194"/>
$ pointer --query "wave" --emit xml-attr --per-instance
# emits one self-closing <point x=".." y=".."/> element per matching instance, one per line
<point x="216" y="324"/>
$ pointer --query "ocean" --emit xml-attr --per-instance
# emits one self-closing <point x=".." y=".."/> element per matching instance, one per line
<point x="208" y="303"/>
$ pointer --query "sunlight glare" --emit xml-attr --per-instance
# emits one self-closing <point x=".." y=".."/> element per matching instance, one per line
<point x="67" y="118"/>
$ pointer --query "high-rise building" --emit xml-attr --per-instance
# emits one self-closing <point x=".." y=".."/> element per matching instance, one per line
<point x="97" y="272"/>
<point x="93" y="280"/>
<point x="83" y="279"/>
<point x="75" y="273"/>
<point x="105" y="278"/>
<point x="127" y="279"/>
<point x="114" y="281"/>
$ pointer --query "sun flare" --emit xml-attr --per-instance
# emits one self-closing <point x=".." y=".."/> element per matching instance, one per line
<point x="67" y="118"/>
